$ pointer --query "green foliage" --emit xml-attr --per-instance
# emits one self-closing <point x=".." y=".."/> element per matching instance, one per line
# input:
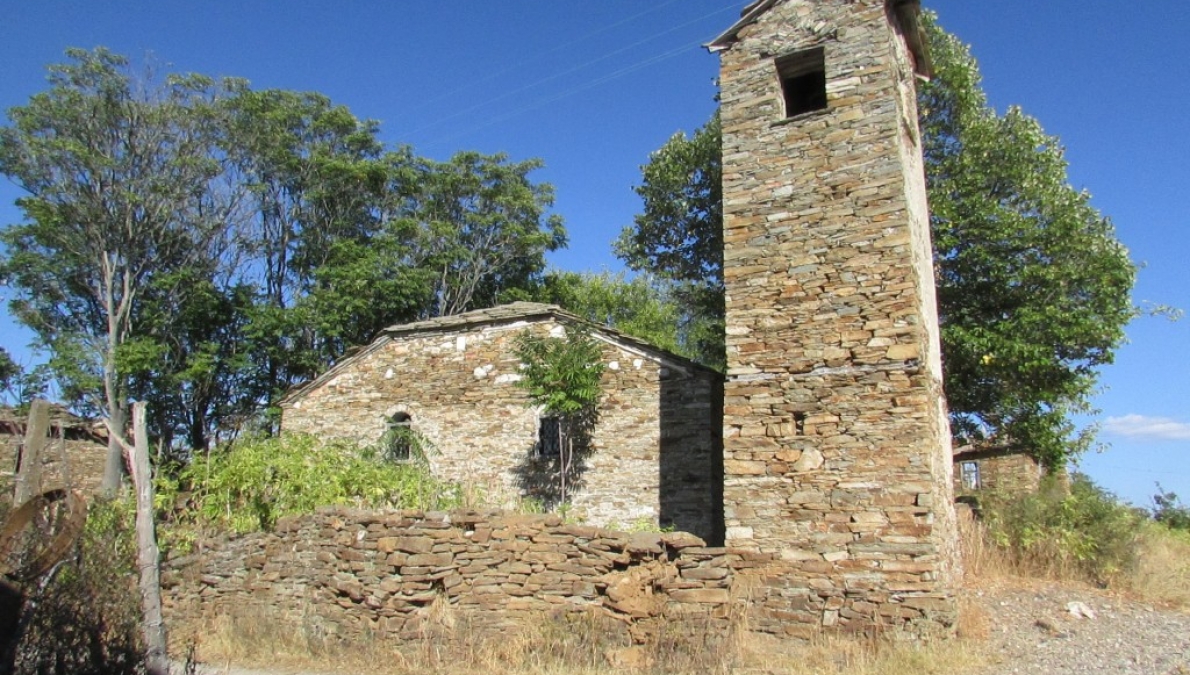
<point x="1033" y="286"/>
<point x="640" y="307"/>
<point x="8" y="368"/>
<point x="679" y="236"/>
<point x="562" y="375"/>
<point x="404" y="444"/>
<point x="18" y="385"/>
<point x="251" y="484"/>
<point x="484" y="228"/>
<point x="1169" y="510"/>
<point x="1086" y="531"/>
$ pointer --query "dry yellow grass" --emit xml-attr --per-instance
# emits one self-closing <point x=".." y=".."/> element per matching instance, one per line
<point x="1162" y="573"/>
<point x="575" y="644"/>
<point x="1159" y="575"/>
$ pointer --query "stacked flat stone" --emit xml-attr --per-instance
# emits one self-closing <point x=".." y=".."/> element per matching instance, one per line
<point x="354" y="573"/>
<point x="837" y="457"/>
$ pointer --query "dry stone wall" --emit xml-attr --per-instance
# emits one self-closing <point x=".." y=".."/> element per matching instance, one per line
<point x="353" y="573"/>
<point x="837" y="458"/>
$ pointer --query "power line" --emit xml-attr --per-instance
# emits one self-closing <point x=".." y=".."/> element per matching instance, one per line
<point x="488" y="102"/>
<point x="1135" y="470"/>
<point x="536" y="57"/>
<point x="491" y="121"/>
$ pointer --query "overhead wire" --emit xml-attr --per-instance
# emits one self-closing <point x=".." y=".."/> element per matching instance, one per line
<point x="539" y="55"/>
<point x="486" y="104"/>
<point x="492" y="121"/>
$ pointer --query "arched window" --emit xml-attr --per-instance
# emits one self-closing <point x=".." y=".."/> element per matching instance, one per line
<point x="398" y="438"/>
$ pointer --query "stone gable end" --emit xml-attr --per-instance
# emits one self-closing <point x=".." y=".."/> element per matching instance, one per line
<point x="655" y="456"/>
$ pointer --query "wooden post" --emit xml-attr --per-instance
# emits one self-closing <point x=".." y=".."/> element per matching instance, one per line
<point x="28" y="479"/>
<point x="153" y="624"/>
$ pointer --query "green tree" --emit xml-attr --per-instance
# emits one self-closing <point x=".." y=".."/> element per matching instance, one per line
<point x="191" y="359"/>
<point x="18" y="385"/>
<point x="679" y="235"/>
<point x="119" y="175"/>
<point x="320" y="247"/>
<point x="1033" y="287"/>
<point x="484" y="229"/>
<point x="1169" y="510"/>
<point x="562" y="376"/>
<point x="641" y="307"/>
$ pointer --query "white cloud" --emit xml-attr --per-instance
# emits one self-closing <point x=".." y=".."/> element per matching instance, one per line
<point x="1143" y="427"/>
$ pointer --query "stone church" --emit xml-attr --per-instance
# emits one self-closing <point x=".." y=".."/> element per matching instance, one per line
<point x="832" y="487"/>
<point x="654" y="454"/>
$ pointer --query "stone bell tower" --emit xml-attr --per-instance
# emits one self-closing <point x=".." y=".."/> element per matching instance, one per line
<point x="837" y="453"/>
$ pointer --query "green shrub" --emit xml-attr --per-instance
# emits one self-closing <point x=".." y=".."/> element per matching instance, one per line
<point x="1169" y="510"/>
<point x="253" y="483"/>
<point x="1085" y="532"/>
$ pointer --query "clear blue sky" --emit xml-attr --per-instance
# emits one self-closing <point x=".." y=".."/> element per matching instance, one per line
<point x="593" y="87"/>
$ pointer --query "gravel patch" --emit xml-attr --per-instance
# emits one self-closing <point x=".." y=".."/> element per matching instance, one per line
<point x="1055" y="629"/>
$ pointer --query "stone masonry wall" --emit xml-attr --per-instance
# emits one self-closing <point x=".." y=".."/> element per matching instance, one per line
<point x="655" y="452"/>
<point x="84" y="469"/>
<point x="837" y="458"/>
<point x="1014" y="473"/>
<point x="350" y="573"/>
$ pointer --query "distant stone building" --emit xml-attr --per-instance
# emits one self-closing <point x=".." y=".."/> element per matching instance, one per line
<point x="995" y="469"/>
<point x="655" y="453"/>
<point x="82" y="442"/>
<point x="837" y="454"/>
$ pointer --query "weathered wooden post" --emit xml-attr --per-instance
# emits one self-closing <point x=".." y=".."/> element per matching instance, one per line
<point x="28" y="478"/>
<point x="148" y="555"/>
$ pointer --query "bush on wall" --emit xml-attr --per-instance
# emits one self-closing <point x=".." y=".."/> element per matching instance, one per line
<point x="252" y="484"/>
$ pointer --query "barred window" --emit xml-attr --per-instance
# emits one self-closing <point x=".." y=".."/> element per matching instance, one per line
<point x="549" y="437"/>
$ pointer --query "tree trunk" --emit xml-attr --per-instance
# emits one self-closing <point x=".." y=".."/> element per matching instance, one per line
<point x="28" y="479"/>
<point x="113" y="469"/>
<point x="153" y="625"/>
<point x="563" y="458"/>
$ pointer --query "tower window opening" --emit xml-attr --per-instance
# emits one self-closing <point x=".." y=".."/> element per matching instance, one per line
<point x="803" y="81"/>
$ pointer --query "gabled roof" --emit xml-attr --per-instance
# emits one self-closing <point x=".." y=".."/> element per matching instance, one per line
<point x="517" y="312"/>
<point x="907" y="13"/>
<point x="750" y="14"/>
<point x="13" y="422"/>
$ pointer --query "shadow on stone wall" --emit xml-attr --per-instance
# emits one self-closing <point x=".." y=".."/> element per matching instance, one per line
<point x="691" y="463"/>
<point x="539" y="475"/>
